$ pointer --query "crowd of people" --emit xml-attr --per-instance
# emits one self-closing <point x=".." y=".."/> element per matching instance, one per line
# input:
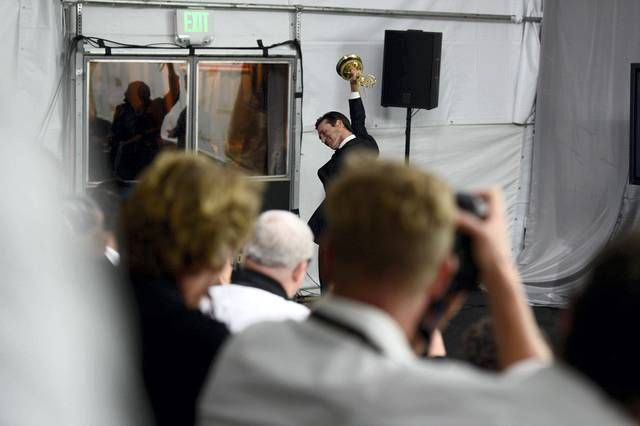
<point x="223" y="342"/>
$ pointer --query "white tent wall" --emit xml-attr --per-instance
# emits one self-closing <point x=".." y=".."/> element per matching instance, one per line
<point x="66" y="354"/>
<point x="488" y="76"/>
<point x="32" y="37"/>
<point x="581" y="150"/>
<point x="469" y="139"/>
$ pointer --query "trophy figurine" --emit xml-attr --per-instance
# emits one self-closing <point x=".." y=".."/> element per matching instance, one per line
<point x="351" y="62"/>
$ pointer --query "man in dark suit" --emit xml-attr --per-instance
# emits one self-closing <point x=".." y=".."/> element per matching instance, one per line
<point x="343" y="136"/>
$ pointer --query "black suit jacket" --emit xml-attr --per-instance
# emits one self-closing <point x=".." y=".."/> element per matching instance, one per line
<point x="179" y="345"/>
<point x="331" y="168"/>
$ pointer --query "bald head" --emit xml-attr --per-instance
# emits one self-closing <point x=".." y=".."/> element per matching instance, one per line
<point x="280" y="240"/>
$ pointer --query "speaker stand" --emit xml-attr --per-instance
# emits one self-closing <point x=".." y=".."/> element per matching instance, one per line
<point x="407" y="136"/>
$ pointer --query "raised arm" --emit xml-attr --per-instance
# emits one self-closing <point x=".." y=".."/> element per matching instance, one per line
<point x="517" y="334"/>
<point x="171" y="97"/>
<point x="356" y="108"/>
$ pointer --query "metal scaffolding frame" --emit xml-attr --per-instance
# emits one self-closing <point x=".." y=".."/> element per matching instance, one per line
<point x="417" y="14"/>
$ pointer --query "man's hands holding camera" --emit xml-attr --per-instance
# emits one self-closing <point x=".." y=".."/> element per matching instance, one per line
<point x="517" y="335"/>
<point x="489" y="237"/>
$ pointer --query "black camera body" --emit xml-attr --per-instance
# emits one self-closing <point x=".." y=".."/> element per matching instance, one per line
<point x="466" y="279"/>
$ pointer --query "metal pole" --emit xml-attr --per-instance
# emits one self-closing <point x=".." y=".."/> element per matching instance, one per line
<point x="419" y="14"/>
<point x="407" y="136"/>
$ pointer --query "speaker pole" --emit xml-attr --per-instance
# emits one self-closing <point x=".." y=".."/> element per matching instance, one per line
<point x="407" y="136"/>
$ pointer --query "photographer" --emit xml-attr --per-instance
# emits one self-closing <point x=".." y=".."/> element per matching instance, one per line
<point x="390" y="256"/>
<point x="516" y="333"/>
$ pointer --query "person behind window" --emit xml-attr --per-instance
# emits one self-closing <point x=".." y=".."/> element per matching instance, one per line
<point x="86" y="220"/>
<point x="174" y="127"/>
<point x="110" y="203"/>
<point x="136" y="126"/>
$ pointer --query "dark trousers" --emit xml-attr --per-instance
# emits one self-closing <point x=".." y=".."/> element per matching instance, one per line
<point x="325" y="286"/>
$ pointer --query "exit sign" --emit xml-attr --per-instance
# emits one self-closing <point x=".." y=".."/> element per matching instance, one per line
<point x="193" y="27"/>
<point x="195" y="21"/>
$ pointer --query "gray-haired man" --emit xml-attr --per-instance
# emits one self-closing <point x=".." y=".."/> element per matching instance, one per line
<point x="274" y="266"/>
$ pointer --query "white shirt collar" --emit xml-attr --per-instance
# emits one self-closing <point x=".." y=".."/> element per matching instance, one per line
<point x="112" y="255"/>
<point x="376" y="324"/>
<point x="345" y="140"/>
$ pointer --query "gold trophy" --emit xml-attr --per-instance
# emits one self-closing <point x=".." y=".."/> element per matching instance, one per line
<point x="353" y="62"/>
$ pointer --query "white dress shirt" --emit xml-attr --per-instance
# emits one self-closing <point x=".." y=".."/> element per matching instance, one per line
<point x="345" y="140"/>
<point x="241" y="306"/>
<point x="312" y="373"/>
<point x="112" y="255"/>
<point x="170" y="121"/>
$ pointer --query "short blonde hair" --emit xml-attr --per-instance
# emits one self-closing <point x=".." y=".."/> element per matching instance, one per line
<point x="187" y="214"/>
<point x="388" y="220"/>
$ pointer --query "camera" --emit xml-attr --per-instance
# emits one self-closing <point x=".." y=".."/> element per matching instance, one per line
<point x="466" y="279"/>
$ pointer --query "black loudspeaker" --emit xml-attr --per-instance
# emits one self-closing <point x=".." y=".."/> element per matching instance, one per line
<point x="411" y="69"/>
<point x="634" y="126"/>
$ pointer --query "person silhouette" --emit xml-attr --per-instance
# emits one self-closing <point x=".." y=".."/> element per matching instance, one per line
<point x="136" y="126"/>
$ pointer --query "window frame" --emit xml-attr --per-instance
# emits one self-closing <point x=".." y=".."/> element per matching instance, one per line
<point x="81" y="154"/>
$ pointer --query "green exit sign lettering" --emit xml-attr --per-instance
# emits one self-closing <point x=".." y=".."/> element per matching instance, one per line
<point x="193" y="27"/>
<point x="196" y="21"/>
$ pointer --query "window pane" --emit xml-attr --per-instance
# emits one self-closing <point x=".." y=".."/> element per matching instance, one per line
<point x="243" y="115"/>
<point x="135" y="109"/>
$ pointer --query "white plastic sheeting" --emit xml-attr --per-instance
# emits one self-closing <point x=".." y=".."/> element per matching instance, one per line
<point x="488" y="77"/>
<point x="65" y="353"/>
<point x="581" y="147"/>
<point x="479" y="68"/>
<point x="31" y="35"/>
<point x="470" y="157"/>
<point x="487" y="82"/>
<point x="453" y="152"/>
<point x="527" y="76"/>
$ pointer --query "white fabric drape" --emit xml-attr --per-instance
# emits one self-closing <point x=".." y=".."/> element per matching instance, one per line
<point x="488" y="77"/>
<point x="65" y="356"/>
<point x="582" y="141"/>
<point x="527" y="76"/>
<point x="487" y="81"/>
<point x="32" y="46"/>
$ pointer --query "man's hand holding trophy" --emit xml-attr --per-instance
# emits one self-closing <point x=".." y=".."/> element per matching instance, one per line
<point x="350" y="68"/>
